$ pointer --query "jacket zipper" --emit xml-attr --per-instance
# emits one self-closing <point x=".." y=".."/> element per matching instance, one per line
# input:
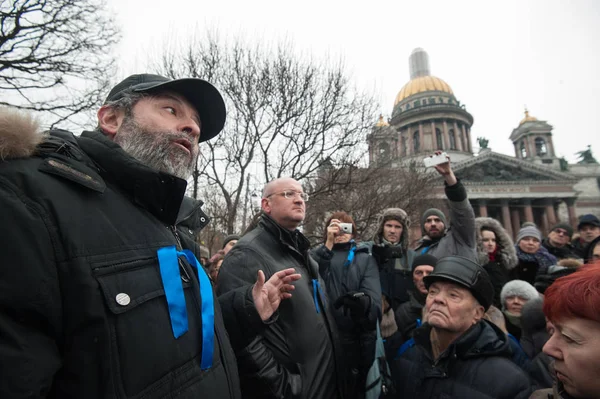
<point x="186" y="276"/>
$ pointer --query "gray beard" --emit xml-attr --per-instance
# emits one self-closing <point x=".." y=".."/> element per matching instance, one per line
<point x="155" y="149"/>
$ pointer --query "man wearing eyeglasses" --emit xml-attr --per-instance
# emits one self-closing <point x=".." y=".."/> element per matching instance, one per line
<point x="558" y="241"/>
<point x="297" y="354"/>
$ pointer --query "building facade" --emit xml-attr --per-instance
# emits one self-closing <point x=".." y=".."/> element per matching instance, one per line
<point x="533" y="186"/>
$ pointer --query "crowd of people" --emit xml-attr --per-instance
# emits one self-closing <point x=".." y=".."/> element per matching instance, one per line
<point x="105" y="292"/>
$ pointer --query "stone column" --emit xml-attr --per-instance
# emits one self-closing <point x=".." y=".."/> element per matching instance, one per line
<point x="456" y="136"/>
<point x="506" y="222"/>
<point x="545" y="224"/>
<point x="516" y="219"/>
<point x="411" y="146"/>
<point x="469" y="144"/>
<point x="421" y="137"/>
<point x="517" y="151"/>
<point x="459" y="138"/>
<point x="528" y="148"/>
<point x="433" y="141"/>
<point x="528" y="211"/>
<point x="549" y="146"/>
<point x="550" y="214"/>
<point x="573" y="221"/>
<point x="465" y="145"/>
<point x="446" y="136"/>
<point x="532" y="146"/>
<point x="482" y="208"/>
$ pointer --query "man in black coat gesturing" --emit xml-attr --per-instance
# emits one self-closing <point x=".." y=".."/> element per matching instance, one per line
<point x="294" y="356"/>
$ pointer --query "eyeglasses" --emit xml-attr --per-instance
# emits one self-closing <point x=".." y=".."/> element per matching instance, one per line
<point x="561" y="231"/>
<point x="291" y="194"/>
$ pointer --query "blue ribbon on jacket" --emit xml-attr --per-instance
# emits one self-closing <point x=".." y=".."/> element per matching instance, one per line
<point x="317" y="293"/>
<point x="168" y="261"/>
<point x="351" y="253"/>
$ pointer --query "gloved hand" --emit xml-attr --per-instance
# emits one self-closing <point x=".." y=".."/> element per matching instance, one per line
<point x="355" y="303"/>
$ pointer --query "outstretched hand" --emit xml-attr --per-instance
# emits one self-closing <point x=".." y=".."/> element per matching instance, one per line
<point x="268" y="295"/>
<point x="445" y="170"/>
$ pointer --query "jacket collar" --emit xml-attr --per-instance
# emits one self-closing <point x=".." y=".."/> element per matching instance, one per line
<point x="159" y="193"/>
<point x="293" y="239"/>
<point x="482" y="339"/>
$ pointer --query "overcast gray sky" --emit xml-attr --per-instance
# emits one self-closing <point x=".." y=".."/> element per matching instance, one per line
<point x="497" y="56"/>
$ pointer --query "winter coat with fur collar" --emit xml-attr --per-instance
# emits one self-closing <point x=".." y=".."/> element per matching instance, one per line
<point x="505" y="259"/>
<point x="83" y="312"/>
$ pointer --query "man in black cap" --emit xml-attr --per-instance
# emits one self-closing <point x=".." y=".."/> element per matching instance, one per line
<point x="558" y="241"/>
<point x="101" y="291"/>
<point x="441" y="238"/>
<point x="457" y="353"/>
<point x="589" y="230"/>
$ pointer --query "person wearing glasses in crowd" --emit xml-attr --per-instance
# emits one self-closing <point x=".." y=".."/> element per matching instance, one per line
<point x="297" y="354"/>
<point x="558" y="242"/>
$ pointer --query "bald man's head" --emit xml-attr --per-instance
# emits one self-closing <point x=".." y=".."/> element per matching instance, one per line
<point x="283" y="201"/>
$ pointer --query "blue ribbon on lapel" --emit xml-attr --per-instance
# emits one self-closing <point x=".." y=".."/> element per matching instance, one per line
<point x="168" y="261"/>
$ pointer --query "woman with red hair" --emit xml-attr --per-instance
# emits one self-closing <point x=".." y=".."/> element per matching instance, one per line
<point x="572" y="305"/>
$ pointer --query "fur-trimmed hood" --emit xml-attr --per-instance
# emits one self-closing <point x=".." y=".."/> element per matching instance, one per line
<point x="506" y="247"/>
<point x="19" y="134"/>
<point x="393" y="214"/>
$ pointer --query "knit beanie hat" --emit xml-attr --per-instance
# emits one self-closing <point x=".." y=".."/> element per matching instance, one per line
<point x="430" y="212"/>
<point x="529" y="231"/>
<point x="565" y="226"/>
<point x="517" y="288"/>
<point x="424" y="259"/>
<point x="230" y="237"/>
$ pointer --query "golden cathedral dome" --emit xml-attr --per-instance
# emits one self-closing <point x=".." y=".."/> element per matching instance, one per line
<point x="528" y="118"/>
<point x="422" y="84"/>
<point x="381" y="122"/>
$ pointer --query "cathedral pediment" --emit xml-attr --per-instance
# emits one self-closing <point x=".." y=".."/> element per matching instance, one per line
<point x="490" y="168"/>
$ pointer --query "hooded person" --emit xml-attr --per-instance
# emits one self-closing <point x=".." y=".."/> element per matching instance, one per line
<point x="457" y="353"/>
<point x="496" y="253"/>
<point x="513" y="296"/>
<point x="389" y="247"/>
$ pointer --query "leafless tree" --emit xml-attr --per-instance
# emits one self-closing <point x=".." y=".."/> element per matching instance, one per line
<point x="54" y="55"/>
<point x="286" y="116"/>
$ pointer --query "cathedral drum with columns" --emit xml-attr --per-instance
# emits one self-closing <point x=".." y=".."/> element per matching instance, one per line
<point x="532" y="186"/>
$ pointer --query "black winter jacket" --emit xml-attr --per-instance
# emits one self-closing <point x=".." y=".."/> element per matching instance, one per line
<point x="358" y="339"/>
<point x="566" y="252"/>
<point x="409" y="312"/>
<point x="296" y="356"/>
<point x="476" y="366"/>
<point x="83" y="312"/>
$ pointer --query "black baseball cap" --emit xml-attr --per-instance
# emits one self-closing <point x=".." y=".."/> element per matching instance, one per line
<point x="202" y="95"/>
<point x="466" y="273"/>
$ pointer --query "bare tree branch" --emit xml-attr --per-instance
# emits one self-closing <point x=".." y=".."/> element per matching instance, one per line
<point x="55" y="55"/>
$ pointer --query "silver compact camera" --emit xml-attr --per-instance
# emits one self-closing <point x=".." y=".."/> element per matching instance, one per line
<point x="346" y="228"/>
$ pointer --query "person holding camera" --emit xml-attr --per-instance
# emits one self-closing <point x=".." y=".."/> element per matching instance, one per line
<point x="352" y="283"/>
<point x="458" y="238"/>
